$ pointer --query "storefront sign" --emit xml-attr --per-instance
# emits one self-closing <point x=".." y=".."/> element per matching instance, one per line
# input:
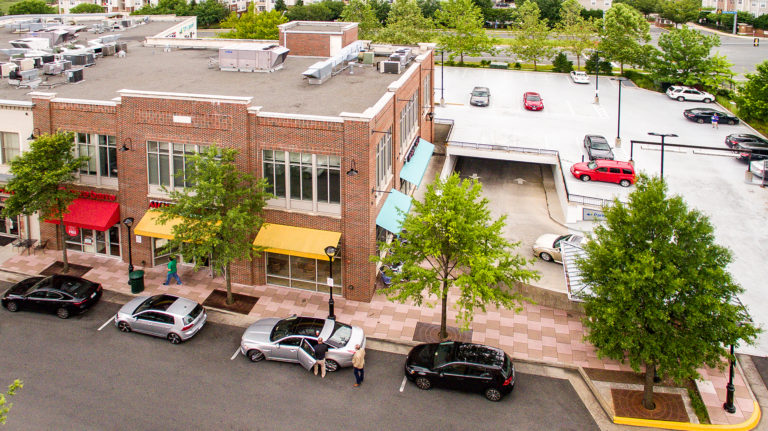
<point x="158" y="204"/>
<point x="590" y="214"/>
<point x="72" y="230"/>
<point x="95" y="195"/>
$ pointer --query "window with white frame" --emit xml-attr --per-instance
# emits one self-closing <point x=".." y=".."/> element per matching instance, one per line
<point x="9" y="144"/>
<point x="303" y="181"/>
<point x="408" y="122"/>
<point x="169" y="165"/>
<point x="102" y="153"/>
<point x="426" y="91"/>
<point x="328" y="179"/>
<point x="301" y="176"/>
<point x="384" y="159"/>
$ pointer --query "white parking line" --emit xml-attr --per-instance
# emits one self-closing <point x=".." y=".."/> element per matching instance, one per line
<point x="237" y="352"/>
<point x="112" y="319"/>
<point x="402" y="385"/>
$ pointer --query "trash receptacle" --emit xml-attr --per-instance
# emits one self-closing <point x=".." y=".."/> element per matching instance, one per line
<point x="136" y="280"/>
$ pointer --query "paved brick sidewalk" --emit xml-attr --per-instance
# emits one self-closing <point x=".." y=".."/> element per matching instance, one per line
<point x="536" y="333"/>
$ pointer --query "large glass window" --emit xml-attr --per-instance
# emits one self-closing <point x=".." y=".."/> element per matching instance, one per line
<point x="303" y="273"/>
<point x="328" y="179"/>
<point x="384" y="159"/>
<point x="303" y="181"/>
<point x="102" y="153"/>
<point x="408" y="121"/>
<point x="301" y="176"/>
<point x="106" y="243"/>
<point x="274" y="172"/>
<point x="426" y="91"/>
<point x="9" y="146"/>
<point x="167" y="161"/>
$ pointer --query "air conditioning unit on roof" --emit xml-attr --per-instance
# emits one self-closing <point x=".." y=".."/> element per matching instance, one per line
<point x="390" y="67"/>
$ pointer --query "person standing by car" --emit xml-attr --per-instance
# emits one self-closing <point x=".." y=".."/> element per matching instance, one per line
<point x="715" y="120"/>
<point x="320" y="351"/>
<point x="358" y="362"/>
<point x="172" y="272"/>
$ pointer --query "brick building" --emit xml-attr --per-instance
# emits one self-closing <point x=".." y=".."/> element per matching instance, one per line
<point x="340" y="156"/>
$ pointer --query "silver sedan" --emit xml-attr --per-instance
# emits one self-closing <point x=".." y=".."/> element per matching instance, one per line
<point x="292" y="340"/>
<point x="167" y="316"/>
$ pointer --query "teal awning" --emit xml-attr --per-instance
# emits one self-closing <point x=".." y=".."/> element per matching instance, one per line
<point x="414" y="169"/>
<point x="389" y="217"/>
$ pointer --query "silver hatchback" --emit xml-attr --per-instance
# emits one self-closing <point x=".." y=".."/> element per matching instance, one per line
<point x="167" y="316"/>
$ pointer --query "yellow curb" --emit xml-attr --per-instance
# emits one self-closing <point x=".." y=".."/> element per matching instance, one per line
<point x="744" y="426"/>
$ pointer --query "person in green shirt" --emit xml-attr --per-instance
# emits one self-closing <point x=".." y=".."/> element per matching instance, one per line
<point x="172" y="272"/>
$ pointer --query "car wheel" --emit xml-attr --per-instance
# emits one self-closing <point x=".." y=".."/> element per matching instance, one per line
<point x="585" y="178"/>
<point x="700" y="120"/>
<point x="680" y="99"/>
<point x="493" y="394"/>
<point x="732" y="122"/>
<point x="174" y="338"/>
<point x="331" y="365"/>
<point x="707" y="100"/>
<point x="12" y="306"/>
<point x="545" y="256"/>
<point x="63" y="313"/>
<point x="124" y="327"/>
<point x="625" y="183"/>
<point x="423" y="383"/>
<point x="255" y="355"/>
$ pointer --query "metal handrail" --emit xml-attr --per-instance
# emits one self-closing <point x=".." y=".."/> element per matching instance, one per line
<point x="527" y="150"/>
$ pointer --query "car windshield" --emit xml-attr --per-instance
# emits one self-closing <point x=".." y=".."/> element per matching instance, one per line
<point x="480" y="93"/>
<point x="189" y="318"/>
<point x="76" y="287"/>
<point x="157" y="302"/>
<point x="600" y="145"/>
<point x="443" y="353"/>
<point x="592" y="165"/>
<point x="533" y="97"/>
<point x="340" y="335"/>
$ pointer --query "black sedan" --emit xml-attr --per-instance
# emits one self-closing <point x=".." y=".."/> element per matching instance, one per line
<point x="704" y="115"/>
<point x="597" y="147"/>
<point x="463" y="366"/>
<point x="758" y="145"/>
<point x="60" y="294"/>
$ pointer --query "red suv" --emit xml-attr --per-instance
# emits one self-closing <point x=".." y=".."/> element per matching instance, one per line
<point x="611" y="171"/>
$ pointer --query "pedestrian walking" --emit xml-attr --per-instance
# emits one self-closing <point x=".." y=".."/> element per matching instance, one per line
<point x="320" y="351"/>
<point x="358" y="362"/>
<point x="172" y="272"/>
<point x="715" y="120"/>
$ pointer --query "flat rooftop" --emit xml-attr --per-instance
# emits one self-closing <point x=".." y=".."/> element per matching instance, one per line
<point x="187" y="71"/>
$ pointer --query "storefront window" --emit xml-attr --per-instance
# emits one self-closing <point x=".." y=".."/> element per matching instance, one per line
<point x="9" y="146"/>
<point x="105" y="243"/>
<point x="303" y="273"/>
<point x="9" y="226"/>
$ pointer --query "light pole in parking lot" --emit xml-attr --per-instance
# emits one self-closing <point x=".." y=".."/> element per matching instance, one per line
<point x="597" y="77"/>
<point x="442" y="78"/>
<point x="330" y="251"/>
<point x="663" y="135"/>
<point x="618" y="122"/>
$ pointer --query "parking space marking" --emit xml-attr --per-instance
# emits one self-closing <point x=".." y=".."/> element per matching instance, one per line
<point x="402" y="385"/>
<point x="600" y="111"/>
<point x="111" y="319"/>
<point x="235" y="354"/>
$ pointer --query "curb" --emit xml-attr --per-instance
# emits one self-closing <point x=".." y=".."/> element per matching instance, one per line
<point x="749" y="424"/>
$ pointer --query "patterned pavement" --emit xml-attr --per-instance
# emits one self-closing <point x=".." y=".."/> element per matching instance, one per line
<point x="537" y="333"/>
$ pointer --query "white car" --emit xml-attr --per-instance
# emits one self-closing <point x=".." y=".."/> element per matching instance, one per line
<point x="579" y="77"/>
<point x="682" y="94"/>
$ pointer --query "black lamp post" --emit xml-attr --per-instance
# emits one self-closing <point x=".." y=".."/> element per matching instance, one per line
<point x="663" y="135"/>
<point x="442" y="78"/>
<point x="330" y="251"/>
<point x="597" y="77"/>
<point x="730" y="389"/>
<point x="128" y="222"/>
<point x="618" y="122"/>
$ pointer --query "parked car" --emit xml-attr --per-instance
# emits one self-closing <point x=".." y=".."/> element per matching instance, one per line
<point x="579" y="77"/>
<point x="533" y="101"/>
<point x="61" y="294"/>
<point x="597" y="147"/>
<point x="481" y="96"/>
<point x="610" y="171"/>
<point x="168" y="316"/>
<point x="704" y="115"/>
<point x="758" y="145"/>
<point x="683" y="93"/>
<point x="547" y="246"/>
<point x="463" y="366"/>
<point x="293" y="340"/>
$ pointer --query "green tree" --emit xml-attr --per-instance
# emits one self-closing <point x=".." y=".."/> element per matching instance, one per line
<point x="464" y="32"/>
<point x="381" y="8"/>
<point x="221" y="209"/>
<point x="594" y="62"/>
<point x="685" y="59"/>
<point x="561" y="63"/>
<point x="753" y="94"/>
<point x="5" y="406"/>
<point x="41" y="180"/>
<point x="335" y="7"/>
<point x="87" y="8"/>
<point x="531" y="44"/>
<point x="310" y="12"/>
<point x="406" y="25"/>
<point x="680" y="11"/>
<point x="624" y="30"/>
<point x="360" y="11"/>
<point x="253" y="25"/>
<point x="30" y="7"/>
<point x="549" y="10"/>
<point x="166" y="7"/>
<point x="280" y="5"/>
<point x="210" y="12"/>
<point x="429" y="7"/>
<point x="660" y="294"/>
<point x="646" y="7"/>
<point x="450" y="240"/>
<point x="579" y="31"/>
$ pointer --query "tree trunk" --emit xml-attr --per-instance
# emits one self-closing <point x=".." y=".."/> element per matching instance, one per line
<point x="228" y="283"/>
<point x="462" y="57"/>
<point x="443" y="326"/>
<point x="534" y="64"/>
<point x="65" y="269"/>
<point x="578" y="62"/>
<point x="622" y="69"/>
<point x="650" y="373"/>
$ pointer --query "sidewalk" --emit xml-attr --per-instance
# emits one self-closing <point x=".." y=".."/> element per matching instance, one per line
<point x="537" y="334"/>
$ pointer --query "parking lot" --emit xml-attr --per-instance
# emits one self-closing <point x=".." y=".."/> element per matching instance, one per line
<point x="709" y="181"/>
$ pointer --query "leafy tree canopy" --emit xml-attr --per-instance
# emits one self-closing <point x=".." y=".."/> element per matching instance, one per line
<point x="87" y="8"/>
<point x="30" y="7"/>
<point x="280" y="5"/>
<point x="549" y="10"/>
<point x="5" y="406"/>
<point x="680" y="11"/>
<point x="166" y="7"/>
<point x="581" y="32"/>
<point x="531" y="42"/>
<point x="381" y="8"/>
<point x="361" y="12"/>
<point x="429" y="7"/>
<point x="210" y="12"/>
<point x="464" y="32"/>
<point x="753" y="94"/>
<point x="624" y="32"/>
<point x="646" y="7"/>
<point x="254" y="25"/>
<point x="323" y="11"/>
<point x="406" y="25"/>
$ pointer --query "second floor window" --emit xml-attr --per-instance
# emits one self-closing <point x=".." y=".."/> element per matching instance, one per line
<point x="9" y="146"/>
<point x="102" y="153"/>
<point x="303" y="181"/>
<point x="408" y="121"/>
<point x="384" y="159"/>
<point x="168" y="163"/>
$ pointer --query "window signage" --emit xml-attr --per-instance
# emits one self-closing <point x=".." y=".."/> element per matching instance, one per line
<point x="72" y="230"/>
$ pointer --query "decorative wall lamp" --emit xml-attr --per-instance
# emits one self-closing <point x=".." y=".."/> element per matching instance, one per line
<point x="352" y="170"/>
<point x="127" y="145"/>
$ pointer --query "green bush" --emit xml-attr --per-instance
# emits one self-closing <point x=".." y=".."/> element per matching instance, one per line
<point x="562" y="64"/>
<point x="642" y="80"/>
<point x="517" y="65"/>
<point x="594" y="62"/>
<point x="698" y="406"/>
<point x="485" y="63"/>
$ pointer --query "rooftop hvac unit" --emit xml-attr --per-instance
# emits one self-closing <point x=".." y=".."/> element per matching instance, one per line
<point x="319" y="72"/>
<point x="29" y="75"/>
<point x="108" y="50"/>
<point x="252" y="57"/>
<point x="55" y="68"/>
<point x="67" y="64"/>
<point x="80" y="59"/>
<point x="368" y="57"/>
<point x="389" y="67"/>
<point x="6" y="68"/>
<point x="122" y="46"/>
<point x="126" y="23"/>
<point x="25" y="63"/>
<point x="49" y="58"/>
<point x="75" y="75"/>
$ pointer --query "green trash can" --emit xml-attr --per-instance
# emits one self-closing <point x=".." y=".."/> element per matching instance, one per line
<point x="136" y="280"/>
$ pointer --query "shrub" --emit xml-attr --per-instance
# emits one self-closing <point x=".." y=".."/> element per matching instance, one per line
<point x="517" y="65"/>
<point x="562" y="64"/>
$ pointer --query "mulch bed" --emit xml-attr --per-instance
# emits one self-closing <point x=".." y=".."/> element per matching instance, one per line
<point x="5" y="240"/>
<point x="243" y="303"/>
<point x="629" y="404"/>
<point x="58" y="266"/>
<point x="430" y="333"/>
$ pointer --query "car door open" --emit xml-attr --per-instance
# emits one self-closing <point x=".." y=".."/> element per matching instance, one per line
<point x="306" y="354"/>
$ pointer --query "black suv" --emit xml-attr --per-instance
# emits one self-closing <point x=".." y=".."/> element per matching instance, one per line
<point x="463" y="366"/>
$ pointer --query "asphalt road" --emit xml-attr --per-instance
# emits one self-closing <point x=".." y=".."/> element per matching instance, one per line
<point x="79" y="378"/>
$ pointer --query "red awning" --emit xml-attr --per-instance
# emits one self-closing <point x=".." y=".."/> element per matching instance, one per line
<point x="91" y="214"/>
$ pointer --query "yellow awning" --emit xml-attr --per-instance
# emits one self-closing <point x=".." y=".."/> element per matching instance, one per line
<point x="296" y="241"/>
<point x="149" y="226"/>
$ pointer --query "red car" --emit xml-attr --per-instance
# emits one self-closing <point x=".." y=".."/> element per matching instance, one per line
<point x="532" y="101"/>
<point x="610" y="171"/>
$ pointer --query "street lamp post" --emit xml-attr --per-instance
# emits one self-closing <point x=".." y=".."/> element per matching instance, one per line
<point x="663" y="135"/>
<point x="442" y="78"/>
<point x="597" y="77"/>
<point x="330" y="251"/>
<point x="730" y="389"/>
<point x="618" y="122"/>
<point x="128" y="222"/>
